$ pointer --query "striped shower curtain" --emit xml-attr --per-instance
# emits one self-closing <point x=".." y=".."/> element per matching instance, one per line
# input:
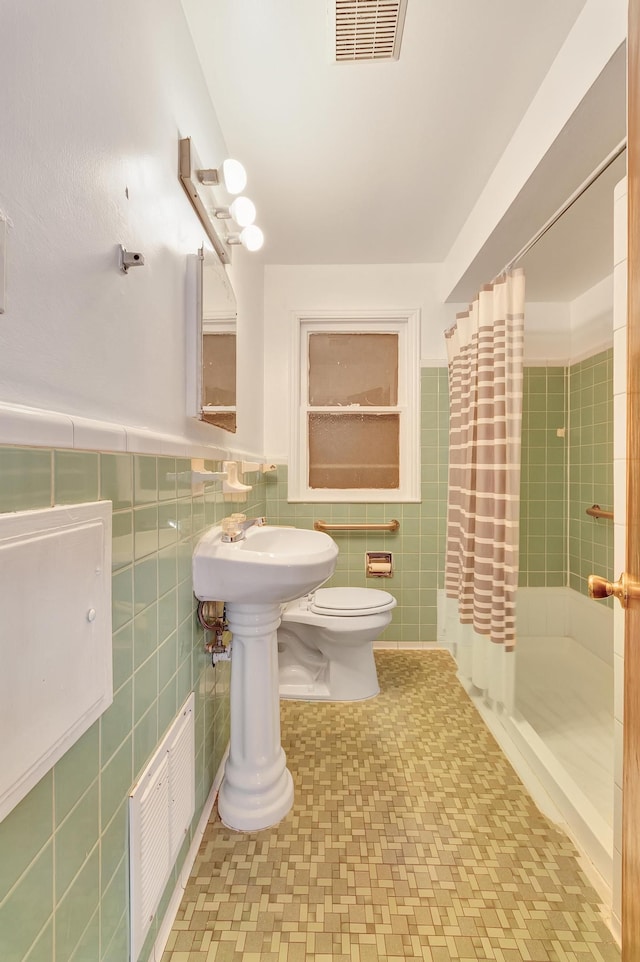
<point x="485" y="353"/>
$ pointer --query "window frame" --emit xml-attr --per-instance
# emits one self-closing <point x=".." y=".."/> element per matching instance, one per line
<point x="404" y="323"/>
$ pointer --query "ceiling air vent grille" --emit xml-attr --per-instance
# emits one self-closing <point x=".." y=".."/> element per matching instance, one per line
<point x="368" y="29"/>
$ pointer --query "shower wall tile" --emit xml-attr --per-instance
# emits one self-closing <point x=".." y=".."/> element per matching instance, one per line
<point x="591" y="467"/>
<point x="63" y="865"/>
<point x="561" y="477"/>
<point x="543" y="481"/>
<point x="418" y="547"/>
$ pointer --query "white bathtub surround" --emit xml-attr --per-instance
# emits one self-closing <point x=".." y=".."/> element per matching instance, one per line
<point x="257" y="790"/>
<point x="560" y="734"/>
<point x="565" y="692"/>
<point x="564" y="717"/>
<point x="557" y="797"/>
<point x="551" y="612"/>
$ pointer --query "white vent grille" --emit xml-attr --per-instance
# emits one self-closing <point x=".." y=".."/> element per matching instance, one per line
<point x="368" y="29"/>
<point x="161" y="807"/>
<point x="181" y="774"/>
<point x="154" y="861"/>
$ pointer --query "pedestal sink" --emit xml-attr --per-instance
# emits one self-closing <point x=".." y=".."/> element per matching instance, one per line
<point x="268" y="566"/>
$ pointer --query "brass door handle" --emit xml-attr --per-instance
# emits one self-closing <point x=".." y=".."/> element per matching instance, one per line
<point x="624" y="589"/>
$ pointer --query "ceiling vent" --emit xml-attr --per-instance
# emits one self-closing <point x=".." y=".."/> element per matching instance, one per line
<point x="367" y="29"/>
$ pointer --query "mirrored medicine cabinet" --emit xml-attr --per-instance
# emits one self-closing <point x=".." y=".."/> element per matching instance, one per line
<point x="215" y="344"/>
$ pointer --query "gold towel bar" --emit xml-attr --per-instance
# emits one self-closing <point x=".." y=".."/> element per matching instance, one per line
<point x="595" y="511"/>
<point x="392" y="525"/>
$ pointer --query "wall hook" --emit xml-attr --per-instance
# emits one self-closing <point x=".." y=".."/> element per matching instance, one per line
<point x="129" y="259"/>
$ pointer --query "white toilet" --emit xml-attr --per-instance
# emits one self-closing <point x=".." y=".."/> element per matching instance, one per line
<point x="325" y="644"/>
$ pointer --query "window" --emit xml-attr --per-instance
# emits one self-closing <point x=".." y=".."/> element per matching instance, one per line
<point x="355" y="437"/>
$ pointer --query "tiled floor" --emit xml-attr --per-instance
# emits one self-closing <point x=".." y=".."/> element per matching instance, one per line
<point x="410" y="837"/>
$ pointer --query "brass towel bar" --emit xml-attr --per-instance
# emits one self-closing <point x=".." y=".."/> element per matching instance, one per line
<point x="392" y="525"/>
<point x="595" y="511"/>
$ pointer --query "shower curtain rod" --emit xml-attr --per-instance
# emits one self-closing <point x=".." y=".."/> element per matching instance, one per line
<point x="591" y="179"/>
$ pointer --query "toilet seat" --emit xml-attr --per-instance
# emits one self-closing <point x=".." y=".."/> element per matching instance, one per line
<point x="350" y="602"/>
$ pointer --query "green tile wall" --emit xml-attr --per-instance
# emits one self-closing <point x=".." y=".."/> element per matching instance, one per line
<point x="63" y="849"/>
<point x="590" y="469"/>
<point x="418" y="547"/>
<point x="543" y="479"/>
<point x="563" y="477"/>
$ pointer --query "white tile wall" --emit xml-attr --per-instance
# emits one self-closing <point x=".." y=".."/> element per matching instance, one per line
<point x="557" y="612"/>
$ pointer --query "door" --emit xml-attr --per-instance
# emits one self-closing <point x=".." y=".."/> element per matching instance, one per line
<point x="631" y="754"/>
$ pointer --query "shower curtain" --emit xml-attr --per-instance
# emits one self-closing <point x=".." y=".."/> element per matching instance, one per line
<point x="485" y="352"/>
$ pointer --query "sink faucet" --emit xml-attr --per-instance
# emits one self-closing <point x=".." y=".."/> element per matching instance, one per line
<point x="234" y="527"/>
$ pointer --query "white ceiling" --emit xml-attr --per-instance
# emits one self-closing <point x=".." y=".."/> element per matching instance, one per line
<point x="372" y="162"/>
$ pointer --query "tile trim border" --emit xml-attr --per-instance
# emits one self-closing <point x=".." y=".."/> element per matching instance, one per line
<point x="37" y="427"/>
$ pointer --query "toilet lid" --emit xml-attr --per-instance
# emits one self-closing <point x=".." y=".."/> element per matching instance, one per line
<point x="347" y="602"/>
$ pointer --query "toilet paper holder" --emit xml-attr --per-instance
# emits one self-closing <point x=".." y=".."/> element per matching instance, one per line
<point x="379" y="564"/>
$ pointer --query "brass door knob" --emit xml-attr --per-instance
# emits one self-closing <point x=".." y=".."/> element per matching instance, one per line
<point x="624" y="589"/>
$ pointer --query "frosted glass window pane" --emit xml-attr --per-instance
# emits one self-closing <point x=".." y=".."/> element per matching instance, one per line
<point x="354" y="450"/>
<point x="219" y="369"/>
<point x="353" y="369"/>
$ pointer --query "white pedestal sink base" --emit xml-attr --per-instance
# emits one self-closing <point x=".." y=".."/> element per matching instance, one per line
<point x="257" y="789"/>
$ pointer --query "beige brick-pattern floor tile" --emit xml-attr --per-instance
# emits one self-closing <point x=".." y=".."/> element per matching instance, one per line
<point x="411" y="837"/>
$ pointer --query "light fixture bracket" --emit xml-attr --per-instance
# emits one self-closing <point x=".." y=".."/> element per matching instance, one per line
<point x="194" y="178"/>
<point x="209" y="177"/>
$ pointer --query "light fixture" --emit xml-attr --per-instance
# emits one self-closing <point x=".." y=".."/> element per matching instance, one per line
<point x="251" y="237"/>
<point x="242" y="211"/>
<point x="203" y="187"/>
<point x="232" y="175"/>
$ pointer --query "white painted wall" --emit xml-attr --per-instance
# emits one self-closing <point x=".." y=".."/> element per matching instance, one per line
<point x="340" y="287"/>
<point x="598" y="33"/>
<point x="289" y="289"/>
<point x="547" y="333"/>
<point x="591" y="320"/>
<point x="95" y="98"/>
<point x="248" y="280"/>
<point x="565" y="332"/>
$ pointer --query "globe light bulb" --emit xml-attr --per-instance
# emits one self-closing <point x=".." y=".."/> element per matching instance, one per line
<point x="252" y="238"/>
<point x="234" y="176"/>
<point x="243" y="211"/>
